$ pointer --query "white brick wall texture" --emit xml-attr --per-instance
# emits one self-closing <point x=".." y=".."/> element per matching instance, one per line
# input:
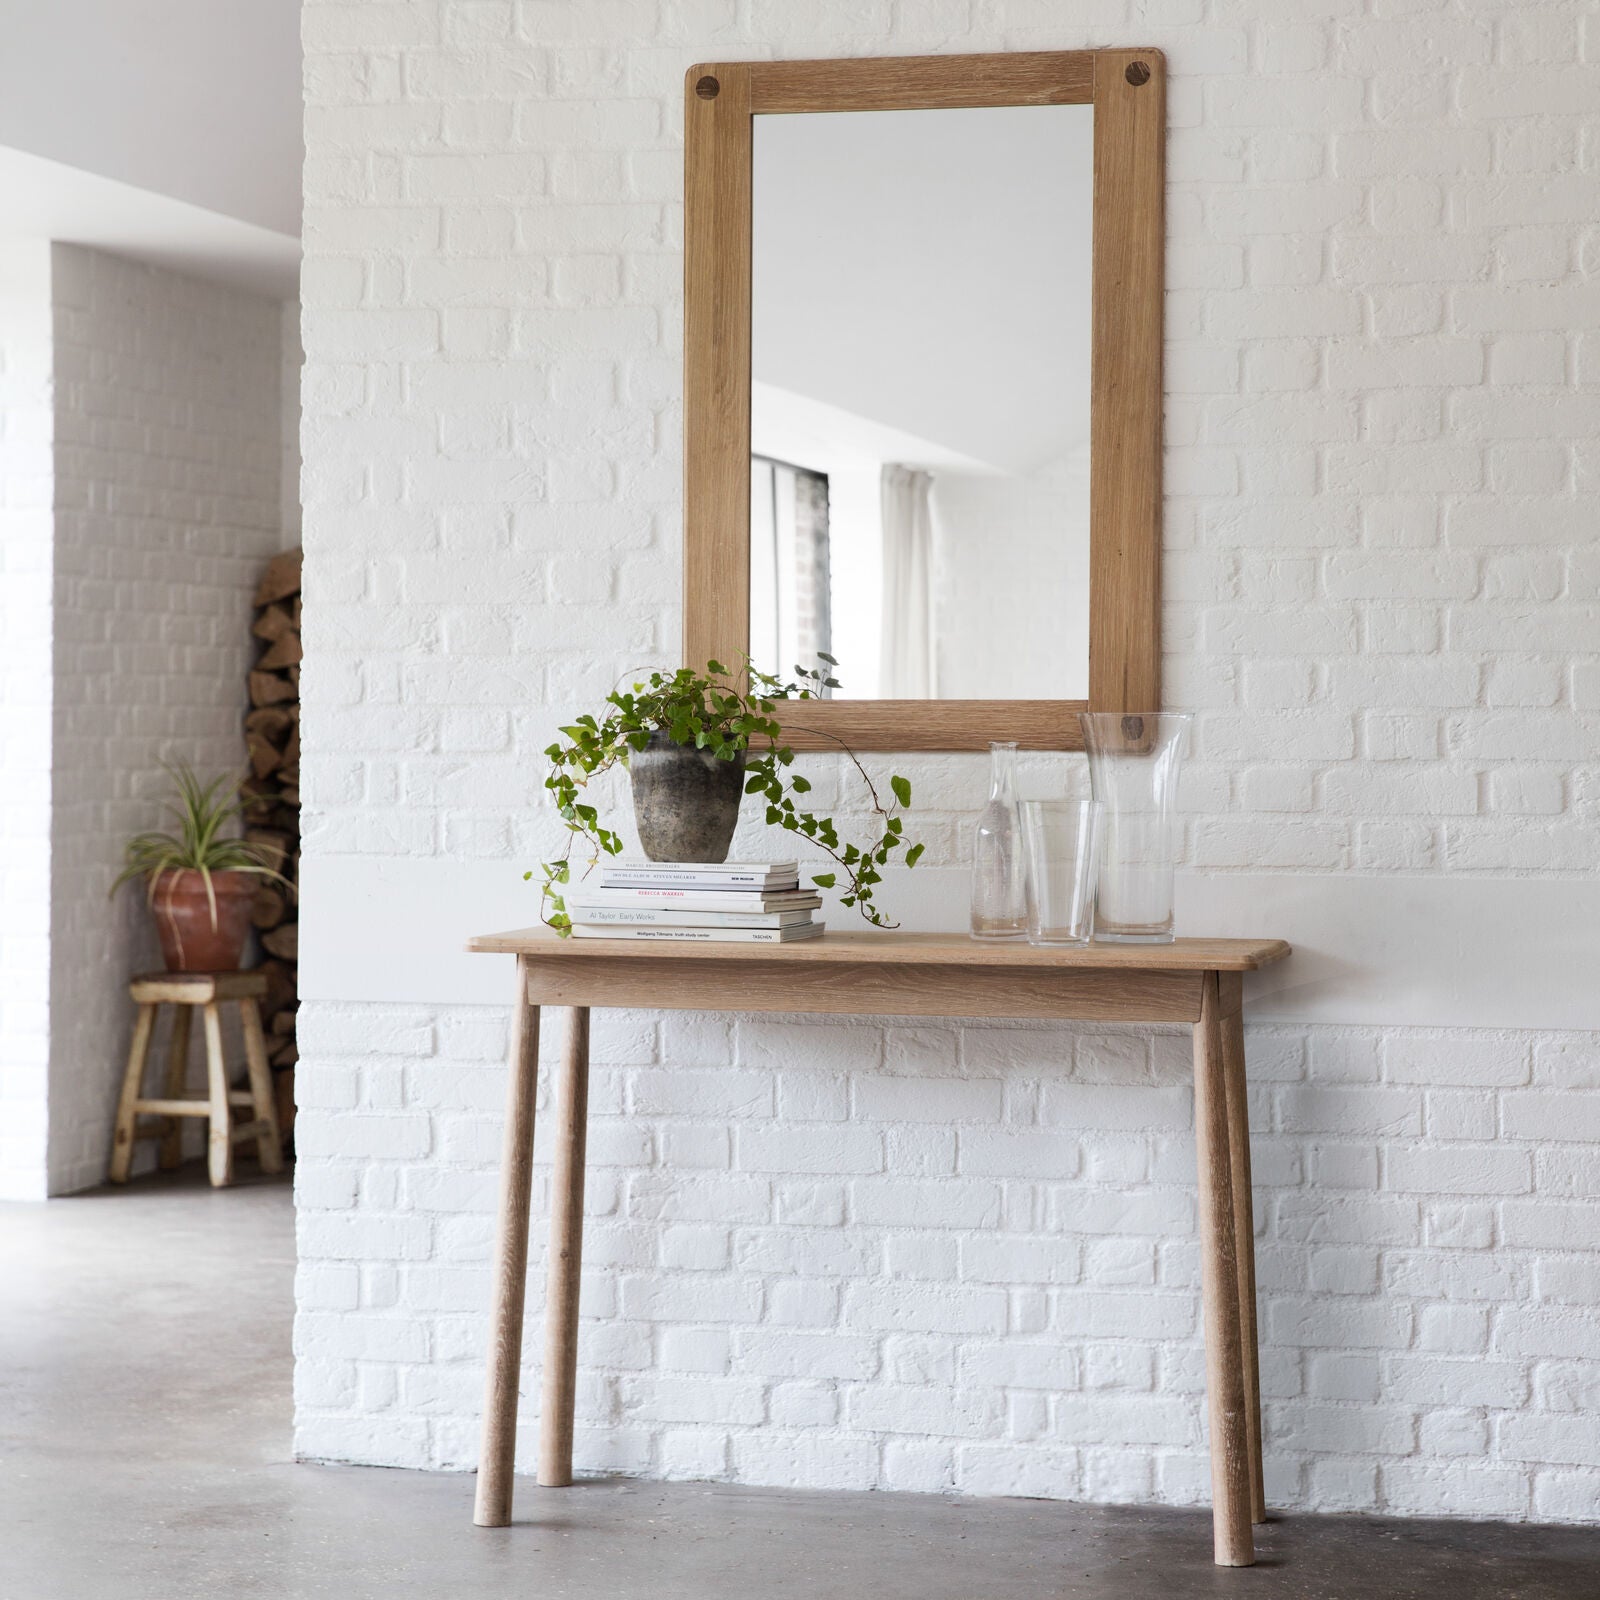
<point x="160" y="501"/>
<point x="961" y="1256"/>
<point x="25" y="565"/>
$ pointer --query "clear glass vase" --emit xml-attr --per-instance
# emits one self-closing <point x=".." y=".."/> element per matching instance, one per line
<point x="1133" y="771"/>
<point x="999" y="881"/>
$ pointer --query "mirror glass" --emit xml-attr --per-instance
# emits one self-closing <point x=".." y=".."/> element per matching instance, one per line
<point x="919" y="486"/>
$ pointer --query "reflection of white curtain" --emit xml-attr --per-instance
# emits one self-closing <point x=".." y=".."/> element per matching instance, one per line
<point x="907" y="664"/>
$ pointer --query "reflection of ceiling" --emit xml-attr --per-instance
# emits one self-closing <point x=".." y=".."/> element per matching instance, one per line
<point x="801" y="431"/>
<point x="930" y="270"/>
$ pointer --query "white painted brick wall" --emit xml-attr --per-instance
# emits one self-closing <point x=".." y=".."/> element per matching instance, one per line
<point x="292" y="358"/>
<point x="25" y="568"/>
<point x="166" y="466"/>
<point x="962" y="1256"/>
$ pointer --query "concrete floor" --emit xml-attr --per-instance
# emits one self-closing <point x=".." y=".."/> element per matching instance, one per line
<point x="144" y="1432"/>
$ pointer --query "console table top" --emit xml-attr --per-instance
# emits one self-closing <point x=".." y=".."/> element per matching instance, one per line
<point x="914" y="949"/>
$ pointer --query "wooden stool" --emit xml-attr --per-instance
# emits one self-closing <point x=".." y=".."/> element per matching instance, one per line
<point x="208" y="990"/>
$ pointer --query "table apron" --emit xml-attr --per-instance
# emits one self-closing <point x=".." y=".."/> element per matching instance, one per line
<point x="868" y="989"/>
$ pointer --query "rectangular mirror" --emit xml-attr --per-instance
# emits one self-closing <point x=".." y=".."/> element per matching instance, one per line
<point x="922" y="352"/>
<point x="919" y="399"/>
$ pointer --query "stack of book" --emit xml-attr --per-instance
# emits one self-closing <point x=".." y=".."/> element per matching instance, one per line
<point x="728" y="902"/>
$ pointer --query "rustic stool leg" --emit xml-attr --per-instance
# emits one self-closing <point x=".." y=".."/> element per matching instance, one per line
<point x="219" y="1148"/>
<point x="1225" y="1384"/>
<point x="1230" y="994"/>
<point x="269" y="1144"/>
<point x="566" y="1257"/>
<point x="498" y="1454"/>
<point x="127" y="1117"/>
<point x="177" y="1079"/>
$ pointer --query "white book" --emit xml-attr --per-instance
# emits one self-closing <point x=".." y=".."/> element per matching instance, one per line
<point x="808" y="930"/>
<point x="696" y="899"/>
<point x="702" y="874"/>
<point x="677" y="917"/>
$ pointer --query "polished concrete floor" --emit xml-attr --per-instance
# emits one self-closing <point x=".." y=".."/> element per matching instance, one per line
<point x="144" y="1430"/>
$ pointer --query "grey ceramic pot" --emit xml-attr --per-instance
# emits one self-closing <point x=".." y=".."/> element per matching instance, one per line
<point x="685" y="801"/>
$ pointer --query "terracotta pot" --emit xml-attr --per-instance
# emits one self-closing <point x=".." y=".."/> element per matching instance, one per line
<point x="685" y="801"/>
<point x="189" y="941"/>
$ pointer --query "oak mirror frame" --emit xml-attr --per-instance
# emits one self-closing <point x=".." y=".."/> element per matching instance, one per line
<point x="1127" y="91"/>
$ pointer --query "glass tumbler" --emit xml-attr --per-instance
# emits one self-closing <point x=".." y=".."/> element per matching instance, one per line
<point x="1133" y="772"/>
<point x="1063" y="851"/>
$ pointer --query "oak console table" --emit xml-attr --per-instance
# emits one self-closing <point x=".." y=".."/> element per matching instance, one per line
<point x="893" y="974"/>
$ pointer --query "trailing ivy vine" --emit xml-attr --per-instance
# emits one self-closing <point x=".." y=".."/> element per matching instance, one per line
<point x="712" y="711"/>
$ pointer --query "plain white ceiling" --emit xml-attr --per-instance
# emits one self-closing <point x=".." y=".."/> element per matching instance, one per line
<point x="194" y="105"/>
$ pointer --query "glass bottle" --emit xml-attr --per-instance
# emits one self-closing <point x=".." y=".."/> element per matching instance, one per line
<point x="999" y="897"/>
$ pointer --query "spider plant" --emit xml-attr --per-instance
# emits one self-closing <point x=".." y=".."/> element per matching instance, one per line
<point x="202" y="811"/>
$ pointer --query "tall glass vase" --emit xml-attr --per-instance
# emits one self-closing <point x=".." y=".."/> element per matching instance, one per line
<point x="1133" y="771"/>
<point x="999" y="881"/>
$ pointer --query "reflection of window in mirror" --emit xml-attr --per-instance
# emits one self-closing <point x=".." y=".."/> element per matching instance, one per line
<point x="790" y="602"/>
<point x="920" y="343"/>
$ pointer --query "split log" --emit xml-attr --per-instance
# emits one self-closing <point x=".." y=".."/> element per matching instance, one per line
<point x="273" y="623"/>
<point x="281" y="579"/>
<point x="265" y="756"/>
<point x="280" y="984"/>
<point x="283" y="1089"/>
<point x="273" y="722"/>
<point x="272" y="794"/>
<point x="270" y="908"/>
<point x="268" y="689"/>
<point x="273" y="844"/>
<point x="284" y="652"/>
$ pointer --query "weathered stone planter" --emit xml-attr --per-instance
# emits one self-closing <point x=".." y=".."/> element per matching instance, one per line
<point x="685" y="801"/>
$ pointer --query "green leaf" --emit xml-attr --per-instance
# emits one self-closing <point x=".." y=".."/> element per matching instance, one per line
<point x="902" y="789"/>
<point x="914" y="855"/>
<point x="800" y="785"/>
<point x="824" y="880"/>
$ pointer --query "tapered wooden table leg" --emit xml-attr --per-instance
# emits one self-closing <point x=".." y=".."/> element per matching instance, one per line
<point x="1230" y="995"/>
<point x="497" y="1457"/>
<point x="566" y="1257"/>
<point x="1225" y="1383"/>
<point x="177" y="1080"/>
<point x="127" y="1118"/>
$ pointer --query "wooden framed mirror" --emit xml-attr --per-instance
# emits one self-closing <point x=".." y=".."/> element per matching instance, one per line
<point x="922" y="388"/>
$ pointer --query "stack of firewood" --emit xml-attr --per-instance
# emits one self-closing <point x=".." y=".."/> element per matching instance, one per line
<point x="272" y="736"/>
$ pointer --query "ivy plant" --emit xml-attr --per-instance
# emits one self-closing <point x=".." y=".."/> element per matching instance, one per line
<point x="712" y="710"/>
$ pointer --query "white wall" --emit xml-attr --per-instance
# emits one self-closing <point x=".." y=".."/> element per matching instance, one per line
<point x="26" y="532"/>
<point x="1011" y="583"/>
<point x="941" y="1255"/>
<point x="292" y="359"/>
<point x="160" y="501"/>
